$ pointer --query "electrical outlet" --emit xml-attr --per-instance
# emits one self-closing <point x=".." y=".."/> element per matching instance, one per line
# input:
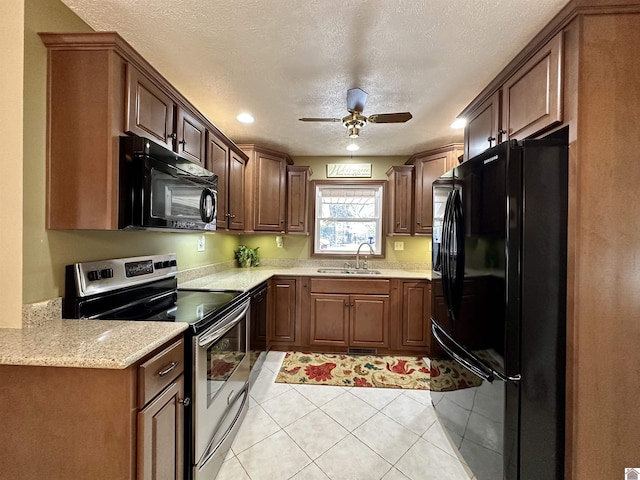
<point x="201" y="243"/>
<point x="398" y="245"/>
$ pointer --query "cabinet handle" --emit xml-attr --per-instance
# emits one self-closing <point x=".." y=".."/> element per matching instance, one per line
<point x="182" y="142"/>
<point x="502" y="132"/>
<point x="232" y="216"/>
<point x="418" y="223"/>
<point x="173" y="136"/>
<point x="169" y="369"/>
<point x="186" y="401"/>
<point x="491" y="139"/>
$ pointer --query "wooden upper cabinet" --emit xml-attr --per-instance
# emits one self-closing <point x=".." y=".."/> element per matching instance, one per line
<point x="528" y="102"/>
<point x="532" y="97"/>
<point x="266" y="189"/>
<point x="228" y="165"/>
<point x="218" y="163"/>
<point x="429" y="166"/>
<point x="236" y="191"/>
<point x="298" y="199"/>
<point x="401" y="199"/>
<point x="191" y="140"/>
<point x="98" y="89"/>
<point x="150" y="112"/>
<point x="483" y="127"/>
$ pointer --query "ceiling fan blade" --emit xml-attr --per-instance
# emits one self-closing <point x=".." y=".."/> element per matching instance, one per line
<point x="320" y="119"/>
<point x="356" y="98"/>
<point x="390" y="117"/>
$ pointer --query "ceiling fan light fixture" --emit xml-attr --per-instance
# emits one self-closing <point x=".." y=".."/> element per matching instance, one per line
<point x="352" y="147"/>
<point x="353" y="132"/>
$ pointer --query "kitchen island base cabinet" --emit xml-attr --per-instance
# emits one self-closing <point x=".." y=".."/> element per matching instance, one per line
<point x="89" y="423"/>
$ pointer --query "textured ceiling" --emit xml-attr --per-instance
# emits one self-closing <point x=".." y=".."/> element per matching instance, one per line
<point x="285" y="59"/>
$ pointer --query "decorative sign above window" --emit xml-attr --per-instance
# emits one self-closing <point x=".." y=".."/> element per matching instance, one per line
<point x="348" y="170"/>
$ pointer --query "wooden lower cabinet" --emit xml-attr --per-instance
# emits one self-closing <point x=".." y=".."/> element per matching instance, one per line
<point x="349" y="313"/>
<point x="416" y="314"/>
<point x="282" y="311"/>
<point x="102" y="424"/>
<point x="160" y="435"/>
<point x="349" y="320"/>
<point x="329" y="320"/>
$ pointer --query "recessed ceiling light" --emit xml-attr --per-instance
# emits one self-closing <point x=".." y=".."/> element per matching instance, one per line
<point x="352" y="147"/>
<point x="459" y="123"/>
<point x="245" y="118"/>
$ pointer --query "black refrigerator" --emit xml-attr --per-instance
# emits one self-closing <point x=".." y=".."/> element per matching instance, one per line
<point x="499" y="309"/>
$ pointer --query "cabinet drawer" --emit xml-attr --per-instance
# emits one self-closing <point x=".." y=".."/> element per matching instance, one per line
<point x="351" y="285"/>
<point x="159" y="371"/>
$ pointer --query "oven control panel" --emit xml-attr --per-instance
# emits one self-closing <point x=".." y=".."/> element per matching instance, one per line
<point x="106" y="275"/>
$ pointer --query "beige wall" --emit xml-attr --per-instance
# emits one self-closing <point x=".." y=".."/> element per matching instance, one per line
<point x="12" y="61"/>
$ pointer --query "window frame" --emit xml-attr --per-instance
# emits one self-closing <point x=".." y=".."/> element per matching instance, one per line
<point x="345" y="184"/>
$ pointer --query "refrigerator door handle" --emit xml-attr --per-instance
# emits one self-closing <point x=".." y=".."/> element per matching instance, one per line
<point x="446" y="254"/>
<point x="458" y="279"/>
<point x="488" y="376"/>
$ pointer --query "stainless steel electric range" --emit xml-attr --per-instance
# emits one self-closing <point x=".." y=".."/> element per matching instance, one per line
<point x="217" y="362"/>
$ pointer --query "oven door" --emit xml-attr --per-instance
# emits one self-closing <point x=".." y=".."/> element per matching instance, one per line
<point x="220" y="379"/>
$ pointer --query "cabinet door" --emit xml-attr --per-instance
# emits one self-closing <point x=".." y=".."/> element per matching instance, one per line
<point x="401" y="196"/>
<point x="532" y="97"/>
<point x="218" y="162"/>
<point x="482" y="130"/>
<point x="329" y="322"/>
<point x="236" y="191"/>
<point x="283" y="312"/>
<point x="428" y="169"/>
<point x="369" y="322"/>
<point x="191" y="137"/>
<point x="259" y="322"/>
<point x="416" y="311"/>
<point x="297" y="199"/>
<point x="150" y="112"/>
<point x="161" y="435"/>
<point x="270" y="185"/>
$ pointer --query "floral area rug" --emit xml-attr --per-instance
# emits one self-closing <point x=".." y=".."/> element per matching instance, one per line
<point x="447" y="375"/>
<point x="354" y="370"/>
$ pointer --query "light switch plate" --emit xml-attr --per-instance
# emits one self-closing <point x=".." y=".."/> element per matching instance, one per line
<point x="201" y="243"/>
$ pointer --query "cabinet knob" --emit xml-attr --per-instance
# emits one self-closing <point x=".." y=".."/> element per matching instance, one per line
<point x="173" y="136"/>
<point x="232" y="216"/>
<point x="490" y="140"/>
<point x="186" y="401"/>
<point x="502" y="132"/>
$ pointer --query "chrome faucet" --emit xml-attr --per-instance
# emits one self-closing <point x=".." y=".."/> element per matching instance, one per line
<point x="365" y="257"/>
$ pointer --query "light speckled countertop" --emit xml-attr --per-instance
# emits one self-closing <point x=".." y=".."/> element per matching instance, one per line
<point x="118" y="344"/>
<point x="84" y="343"/>
<point x="246" y="278"/>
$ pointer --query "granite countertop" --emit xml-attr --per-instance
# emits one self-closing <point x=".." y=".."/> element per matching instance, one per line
<point x="117" y="344"/>
<point x="247" y="278"/>
<point x="114" y="344"/>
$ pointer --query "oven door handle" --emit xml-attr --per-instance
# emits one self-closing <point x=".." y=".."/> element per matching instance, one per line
<point x="211" y="450"/>
<point x="216" y="332"/>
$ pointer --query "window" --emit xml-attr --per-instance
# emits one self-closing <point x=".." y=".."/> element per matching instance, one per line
<point x="348" y="214"/>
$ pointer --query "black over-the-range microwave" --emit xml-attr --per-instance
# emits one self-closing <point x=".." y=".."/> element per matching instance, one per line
<point x="159" y="189"/>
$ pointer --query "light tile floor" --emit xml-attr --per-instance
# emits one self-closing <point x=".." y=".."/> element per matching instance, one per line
<point x="308" y="432"/>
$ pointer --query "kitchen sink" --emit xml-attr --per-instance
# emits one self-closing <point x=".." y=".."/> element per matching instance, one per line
<point x="348" y="271"/>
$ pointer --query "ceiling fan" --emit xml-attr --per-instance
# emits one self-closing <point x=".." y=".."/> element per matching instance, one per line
<point x="356" y="98"/>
